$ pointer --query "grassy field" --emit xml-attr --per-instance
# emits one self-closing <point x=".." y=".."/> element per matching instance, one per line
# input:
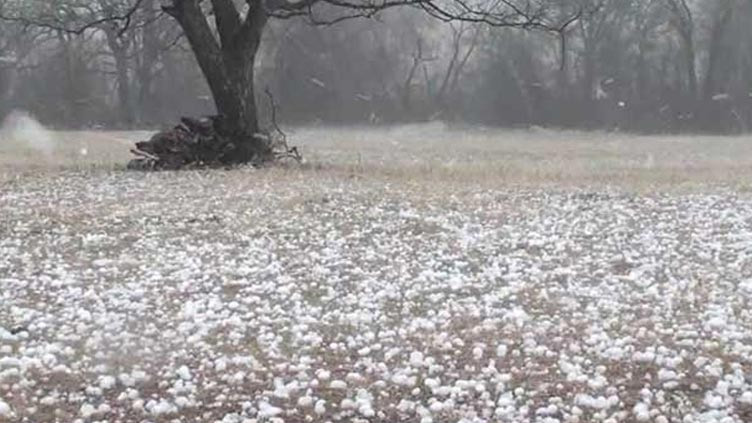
<point x="434" y="152"/>
<point x="412" y="274"/>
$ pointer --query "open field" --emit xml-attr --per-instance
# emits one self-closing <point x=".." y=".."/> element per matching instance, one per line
<point x="492" y="158"/>
<point x="416" y="274"/>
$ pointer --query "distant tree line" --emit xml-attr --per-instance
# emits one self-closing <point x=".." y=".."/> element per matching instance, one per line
<point x="632" y="65"/>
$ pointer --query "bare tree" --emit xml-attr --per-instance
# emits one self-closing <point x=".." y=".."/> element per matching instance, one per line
<point x="227" y="60"/>
<point x="464" y="43"/>
<point x="651" y="65"/>
<point x="17" y="43"/>
<point x="225" y="37"/>
<point x="683" y="23"/>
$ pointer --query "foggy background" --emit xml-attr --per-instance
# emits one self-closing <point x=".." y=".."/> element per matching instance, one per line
<point x="629" y="65"/>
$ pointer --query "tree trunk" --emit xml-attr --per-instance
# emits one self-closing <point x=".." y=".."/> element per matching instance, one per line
<point x="120" y="47"/>
<point x="686" y="29"/>
<point x="715" y="52"/>
<point x="70" y="105"/>
<point x="147" y="60"/>
<point x="234" y="94"/>
<point x="589" y="52"/>
<point x="228" y="64"/>
<point x="8" y="82"/>
<point x="588" y="86"/>
<point x="127" y="109"/>
<point x="690" y="58"/>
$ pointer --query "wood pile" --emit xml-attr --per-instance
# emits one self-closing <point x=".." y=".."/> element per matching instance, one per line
<point x="193" y="143"/>
<point x="199" y="143"/>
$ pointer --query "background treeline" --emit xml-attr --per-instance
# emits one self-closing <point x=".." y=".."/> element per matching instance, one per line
<point x="635" y="65"/>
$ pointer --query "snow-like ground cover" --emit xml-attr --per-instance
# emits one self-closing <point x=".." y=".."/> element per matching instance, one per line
<point x="295" y="296"/>
<point x="361" y="290"/>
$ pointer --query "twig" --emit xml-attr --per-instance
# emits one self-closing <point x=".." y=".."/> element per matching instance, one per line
<point x="287" y="152"/>
<point x="143" y="154"/>
<point x="273" y="105"/>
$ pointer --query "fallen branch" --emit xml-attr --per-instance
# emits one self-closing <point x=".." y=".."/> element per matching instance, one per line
<point x="144" y="155"/>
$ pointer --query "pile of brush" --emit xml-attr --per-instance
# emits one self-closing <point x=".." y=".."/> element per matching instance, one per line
<point x="193" y="143"/>
<point x="200" y="143"/>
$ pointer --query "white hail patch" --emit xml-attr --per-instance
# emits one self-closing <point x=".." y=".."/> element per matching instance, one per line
<point x="234" y="297"/>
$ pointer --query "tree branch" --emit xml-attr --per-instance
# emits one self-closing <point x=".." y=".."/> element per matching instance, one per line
<point x="50" y="22"/>
<point x="228" y="21"/>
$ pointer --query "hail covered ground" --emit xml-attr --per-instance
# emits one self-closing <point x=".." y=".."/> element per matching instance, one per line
<point x="418" y="273"/>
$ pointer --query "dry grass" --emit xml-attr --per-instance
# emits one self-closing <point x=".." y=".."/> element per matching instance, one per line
<point x="532" y="158"/>
<point x="434" y="152"/>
